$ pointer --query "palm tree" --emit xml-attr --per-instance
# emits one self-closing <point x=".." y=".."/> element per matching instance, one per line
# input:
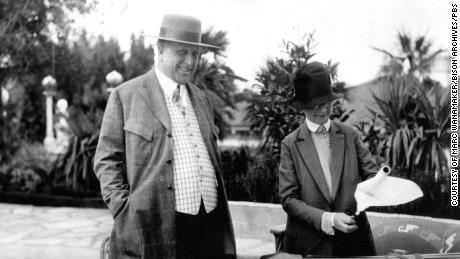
<point x="414" y="110"/>
<point x="413" y="57"/>
<point x="216" y="78"/>
<point x="411" y="133"/>
<point x="416" y="129"/>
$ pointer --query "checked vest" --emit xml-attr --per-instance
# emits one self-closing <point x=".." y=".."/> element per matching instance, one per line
<point x="194" y="175"/>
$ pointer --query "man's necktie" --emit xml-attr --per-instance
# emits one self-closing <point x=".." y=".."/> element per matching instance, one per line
<point x="177" y="100"/>
<point x="322" y="131"/>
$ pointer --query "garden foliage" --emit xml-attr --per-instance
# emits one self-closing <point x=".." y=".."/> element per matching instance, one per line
<point x="410" y="129"/>
<point x="80" y="67"/>
<point x="250" y="175"/>
<point x="271" y="116"/>
<point x="410" y="132"/>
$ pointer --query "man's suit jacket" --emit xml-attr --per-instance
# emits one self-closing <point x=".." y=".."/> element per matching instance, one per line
<point x="305" y="196"/>
<point x="134" y="165"/>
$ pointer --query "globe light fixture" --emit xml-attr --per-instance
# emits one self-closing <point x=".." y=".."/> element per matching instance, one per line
<point x="49" y="84"/>
<point x="113" y="79"/>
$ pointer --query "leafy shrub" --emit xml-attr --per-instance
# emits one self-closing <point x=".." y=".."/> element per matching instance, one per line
<point x="271" y="115"/>
<point x="76" y="173"/>
<point x="24" y="179"/>
<point x="410" y="132"/>
<point x="9" y="125"/>
<point x="32" y="169"/>
<point x="250" y="177"/>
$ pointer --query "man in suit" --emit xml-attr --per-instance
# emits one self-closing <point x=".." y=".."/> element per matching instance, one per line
<point x="157" y="158"/>
<point x="321" y="164"/>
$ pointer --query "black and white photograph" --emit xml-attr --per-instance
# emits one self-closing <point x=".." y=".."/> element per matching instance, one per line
<point x="229" y="129"/>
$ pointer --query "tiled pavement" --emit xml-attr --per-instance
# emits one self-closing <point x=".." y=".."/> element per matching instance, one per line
<point x="30" y="232"/>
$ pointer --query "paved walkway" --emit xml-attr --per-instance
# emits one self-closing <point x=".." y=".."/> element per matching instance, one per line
<point x="30" y="232"/>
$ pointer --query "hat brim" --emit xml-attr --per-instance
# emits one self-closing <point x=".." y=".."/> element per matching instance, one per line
<point x="298" y="104"/>
<point x="190" y="43"/>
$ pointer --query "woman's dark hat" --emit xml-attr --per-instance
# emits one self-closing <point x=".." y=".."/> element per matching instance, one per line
<point x="182" y="29"/>
<point x="312" y="86"/>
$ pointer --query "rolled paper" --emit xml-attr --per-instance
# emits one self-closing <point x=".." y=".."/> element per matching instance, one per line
<point x="385" y="190"/>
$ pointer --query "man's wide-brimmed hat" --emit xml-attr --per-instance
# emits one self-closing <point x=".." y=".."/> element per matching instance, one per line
<point x="312" y="86"/>
<point x="182" y="29"/>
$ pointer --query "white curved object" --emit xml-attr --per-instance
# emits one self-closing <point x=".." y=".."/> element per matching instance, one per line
<point x="385" y="190"/>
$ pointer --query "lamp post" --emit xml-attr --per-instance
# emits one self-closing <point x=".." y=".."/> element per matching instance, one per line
<point x="49" y="86"/>
<point x="113" y="79"/>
